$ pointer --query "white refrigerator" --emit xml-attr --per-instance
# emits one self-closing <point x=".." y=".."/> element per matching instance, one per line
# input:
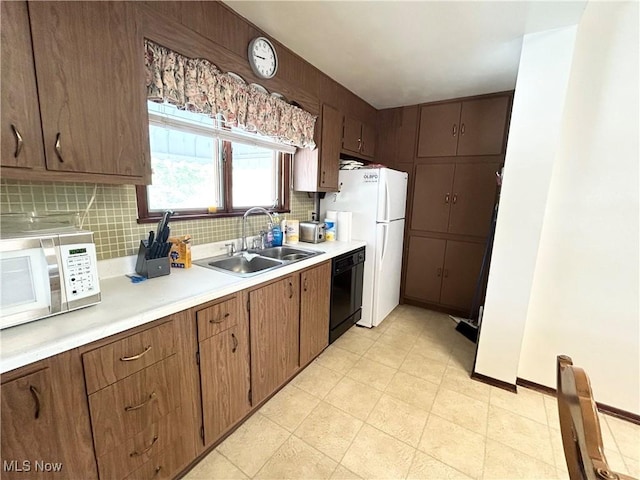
<point x="377" y="199"/>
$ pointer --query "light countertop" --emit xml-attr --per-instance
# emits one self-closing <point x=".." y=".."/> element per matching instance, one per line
<point x="126" y="305"/>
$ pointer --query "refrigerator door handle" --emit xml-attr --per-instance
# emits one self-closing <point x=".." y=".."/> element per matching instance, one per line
<point x="385" y="239"/>
<point x="387" y="198"/>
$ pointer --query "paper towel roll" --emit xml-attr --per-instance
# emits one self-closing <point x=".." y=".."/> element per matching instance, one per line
<point x="344" y="226"/>
<point x="333" y="214"/>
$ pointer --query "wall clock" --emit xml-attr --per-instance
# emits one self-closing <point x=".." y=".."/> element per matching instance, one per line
<point x="263" y="57"/>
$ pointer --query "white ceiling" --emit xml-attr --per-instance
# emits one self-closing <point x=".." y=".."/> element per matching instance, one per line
<point x="394" y="53"/>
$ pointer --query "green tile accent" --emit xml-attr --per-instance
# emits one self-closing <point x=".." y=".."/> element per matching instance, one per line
<point x="113" y="215"/>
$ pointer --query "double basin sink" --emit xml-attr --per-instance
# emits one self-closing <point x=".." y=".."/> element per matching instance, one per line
<point x="254" y="262"/>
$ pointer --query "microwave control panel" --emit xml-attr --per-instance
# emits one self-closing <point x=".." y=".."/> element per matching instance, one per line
<point x="80" y="267"/>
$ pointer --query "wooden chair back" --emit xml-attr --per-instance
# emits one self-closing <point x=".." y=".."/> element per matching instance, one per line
<point x="580" y="426"/>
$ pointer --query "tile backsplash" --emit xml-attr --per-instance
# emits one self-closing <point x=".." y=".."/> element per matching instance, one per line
<point x="113" y="215"/>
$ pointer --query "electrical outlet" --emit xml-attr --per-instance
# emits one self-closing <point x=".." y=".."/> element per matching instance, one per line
<point x="310" y="214"/>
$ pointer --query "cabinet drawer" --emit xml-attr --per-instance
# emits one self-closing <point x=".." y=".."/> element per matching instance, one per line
<point x="162" y="465"/>
<point x="217" y="318"/>
<point x="106" y="365"/>
<point x="129" y="406"/>
<point x="139" y="449"/>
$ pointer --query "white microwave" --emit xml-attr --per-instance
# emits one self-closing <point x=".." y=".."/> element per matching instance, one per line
<point x="46" y="274"/>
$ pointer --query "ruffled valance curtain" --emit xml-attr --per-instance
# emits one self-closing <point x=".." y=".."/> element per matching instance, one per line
<point x="195" y="84"/>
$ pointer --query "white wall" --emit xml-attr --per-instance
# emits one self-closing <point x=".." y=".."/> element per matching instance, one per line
<point x="581" y="297"/>
<point x="585" y="296"/>
<point x="534" y="138"/>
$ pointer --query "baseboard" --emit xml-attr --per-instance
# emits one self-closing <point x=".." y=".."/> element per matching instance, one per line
<point x="494" y="382"/>
<point x="609" y="410"/>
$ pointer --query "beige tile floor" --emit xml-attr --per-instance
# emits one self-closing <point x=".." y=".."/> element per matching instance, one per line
<point x="397" y="402"/>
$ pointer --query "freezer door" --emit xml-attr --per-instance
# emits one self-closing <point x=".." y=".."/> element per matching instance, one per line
<point x="388" y="265"/>
<point x="392" y="194"/>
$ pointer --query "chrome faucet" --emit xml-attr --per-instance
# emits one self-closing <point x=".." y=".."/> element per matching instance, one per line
<point x="244" y="223"/>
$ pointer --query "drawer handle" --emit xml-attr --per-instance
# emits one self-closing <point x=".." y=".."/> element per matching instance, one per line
<point x="235" y="343"/>
<point x="136" y="407"/>
<point x="36" y="398"/>
<point x="290" y="290"/>
<point x="136" y="357"/>
<point x="19" y="140"/>
<point x="305" y="286"/>
<point x="220" y="319"/>
<point x="157" y="471"/>
<point x="137" y="454"/>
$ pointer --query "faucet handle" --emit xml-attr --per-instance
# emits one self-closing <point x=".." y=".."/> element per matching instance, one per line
<point x="231" y="248"/>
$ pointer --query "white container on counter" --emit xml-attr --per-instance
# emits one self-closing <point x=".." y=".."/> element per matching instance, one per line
<point x="293" y="231"/>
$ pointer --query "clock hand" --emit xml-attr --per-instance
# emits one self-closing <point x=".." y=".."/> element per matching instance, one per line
<point x="261" y="58"/>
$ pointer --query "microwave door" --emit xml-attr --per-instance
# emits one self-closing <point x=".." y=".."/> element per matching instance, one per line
<point x="25" y="286"/>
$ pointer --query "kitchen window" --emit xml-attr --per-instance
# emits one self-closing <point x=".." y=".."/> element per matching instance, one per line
<point x="203" y="170"/>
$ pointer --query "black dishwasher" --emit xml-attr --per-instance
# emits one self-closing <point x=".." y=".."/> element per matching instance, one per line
<point x="346" y="292"/>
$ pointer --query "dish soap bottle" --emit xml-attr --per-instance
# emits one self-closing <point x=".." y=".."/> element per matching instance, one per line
<point x="277" y="231"/>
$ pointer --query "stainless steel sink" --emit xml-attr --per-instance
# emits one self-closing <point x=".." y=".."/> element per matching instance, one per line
<point x="286" y="253"/>
<point x="247" y="264"/>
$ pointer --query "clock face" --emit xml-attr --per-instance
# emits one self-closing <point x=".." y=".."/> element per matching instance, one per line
<point x="263" y="58"/>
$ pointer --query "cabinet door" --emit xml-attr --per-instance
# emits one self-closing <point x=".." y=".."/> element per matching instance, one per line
<point x="439" y="129"/>
<point x="275" y="328"/>
<point x="28" y="424"/>
<point x="314" y="311"/>
<point x="425" y="259"/>
<point x="473" y="200"/>
<point x="462" y="262"/>
<point x="482" y="126"/>
<point x="89" y="65"/>
<point x="224" y="374"/>
<point x="330" y="148"/>
<point x="368" y="143"/>
<point x="351" y="135"/>
<point x="432" y="194"/>
<point x="20" y="114"/>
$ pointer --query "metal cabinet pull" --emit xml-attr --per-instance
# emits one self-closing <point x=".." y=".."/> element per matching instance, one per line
<point x="304" y="285"/>
<point x="137" y="454"/>
<point x="137" y="407"/>
<point x="290" y="290"/>
<point x="446" y="273"/>
<point x="439" y="272"/>
<point x="322" y="181"/>
<point x="360" y="144"/>
<point x="462" y="129"/>
<point x="454" y="130"/>
<point x="157" y="471"/>
<point x="36" y="398"/>
<point x="220" y="319"/>
<point x="136" y="357"/>
<point x="59" y="148"/>
<point x="446" y="198"/>
<point x="455" y="198"/>
<point x="235" y="343"/>
<point x="19" y="140"/>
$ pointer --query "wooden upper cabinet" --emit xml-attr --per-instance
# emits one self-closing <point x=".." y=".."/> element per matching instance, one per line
<point x="275" y="330"/>
<point x="483" y="125"/>
<point x="89" y="66"/>
<point x="439" y="127"/>
<point x="317" y="170"/>
<point x="314" y="311"/>
<point x="330" y="155"/>
<point x="21" y="138"/>
<point x="358" y="138"/>
<point x="469" y="127"/>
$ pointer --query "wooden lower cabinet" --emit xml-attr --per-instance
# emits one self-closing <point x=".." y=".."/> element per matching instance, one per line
<point x="46" y="430"/>
<point x="275" y="329"/>
<point x="315" y="296"/>
<point x="224" y="374"/>
<point x="443" y="272"/>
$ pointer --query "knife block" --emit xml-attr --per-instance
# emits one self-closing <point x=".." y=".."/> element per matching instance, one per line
<point x="151" y="268"/>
